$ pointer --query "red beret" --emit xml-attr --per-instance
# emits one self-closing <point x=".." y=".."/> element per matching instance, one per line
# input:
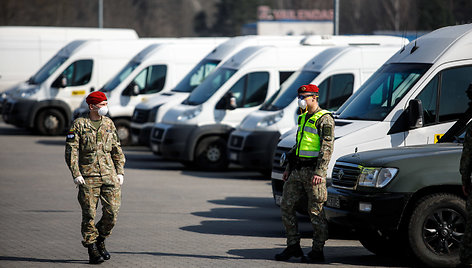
<point x="308" y="88"/>
<point x="95" y="97"/>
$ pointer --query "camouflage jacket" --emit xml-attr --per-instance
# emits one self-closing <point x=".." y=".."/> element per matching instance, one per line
<point x="326" y="124"/>
<point x="87" y="156"/>
<point x="466" y="158"/>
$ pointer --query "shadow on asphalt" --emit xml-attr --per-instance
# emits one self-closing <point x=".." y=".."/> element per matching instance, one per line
<point x="27" y="259"/>
<point x="163" y="254"/>
<point x="9" y="130"/>
<point x="53" y="142"/>
<point x="357" y="256"/>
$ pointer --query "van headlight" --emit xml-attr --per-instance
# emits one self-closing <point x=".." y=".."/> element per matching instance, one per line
<point x="271" y="119"/>
<point x="376" y="177"/>
<point x="189" y="114"/>
<point x="29" y="92"/>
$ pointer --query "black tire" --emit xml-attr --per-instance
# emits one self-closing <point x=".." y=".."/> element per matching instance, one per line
<point x="211" y="154"/>
<point x="381" y="245"/>
<point x="437" y="220"/>
<point x="123" y="129"/>
<point x="50" y="122"/>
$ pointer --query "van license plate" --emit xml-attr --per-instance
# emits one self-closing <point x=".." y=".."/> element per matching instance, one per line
<point x="333" y="201"/>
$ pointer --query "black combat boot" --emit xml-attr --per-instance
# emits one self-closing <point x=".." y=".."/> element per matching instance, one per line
<point x="101" y="248"/>
<point x="94" y="255"/>
<point x="290" y="251"/>
<point x="315" y="257"/>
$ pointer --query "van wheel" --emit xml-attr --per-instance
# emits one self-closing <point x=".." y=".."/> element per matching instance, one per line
<point x="211" y="154"/>
<point x="50" y="122"/>
<point x="124" y="131"/>
<point x="436" y="228"/>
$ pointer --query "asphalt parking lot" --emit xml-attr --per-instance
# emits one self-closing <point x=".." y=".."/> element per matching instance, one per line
<point x="170" y="216"/>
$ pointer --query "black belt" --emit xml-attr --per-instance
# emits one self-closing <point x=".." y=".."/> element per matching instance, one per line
<point x="300" y="162"/>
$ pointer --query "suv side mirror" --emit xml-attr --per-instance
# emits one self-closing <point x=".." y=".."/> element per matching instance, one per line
<point x="415" y="114"/>
<point x="60" y="82"/>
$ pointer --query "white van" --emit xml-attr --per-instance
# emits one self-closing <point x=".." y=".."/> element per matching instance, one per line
<point x="23" y="50"/>
<point x="153" y="109"/>
<point x="46" y="101"/>
<point x="157" y="68"/>
<point x="338" y="72"/>
<point x="414" y="98"/>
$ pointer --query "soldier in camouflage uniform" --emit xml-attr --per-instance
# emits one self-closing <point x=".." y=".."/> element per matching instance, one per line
<point x="96" y="161"/>
<point x="305" y="176"/>
<point x="466" y="170"/>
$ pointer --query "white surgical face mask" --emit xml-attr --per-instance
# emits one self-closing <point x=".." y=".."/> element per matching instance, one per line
<point x="302" y="104"/>
<point x="102" y="111"/>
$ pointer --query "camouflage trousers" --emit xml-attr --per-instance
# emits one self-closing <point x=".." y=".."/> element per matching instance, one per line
<point x="466" y="245"/>
<point x="109" y="192"/>
<point x="299" y="184"/>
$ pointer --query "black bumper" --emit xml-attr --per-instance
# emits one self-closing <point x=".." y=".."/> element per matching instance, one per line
<point x="141" y="136"/>
<point x="173" y="141"/>
<point x="254" y="150"/>
<point x="18" y="112"/>
<point x="385" y="215"/>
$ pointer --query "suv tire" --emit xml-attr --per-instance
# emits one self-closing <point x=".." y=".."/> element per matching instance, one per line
<point x="437" y="220"/>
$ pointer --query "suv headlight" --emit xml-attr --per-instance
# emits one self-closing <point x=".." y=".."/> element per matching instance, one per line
<point x="270" y="120"/>
<point x="189" y="114"/>
<point x="376" y="177"/>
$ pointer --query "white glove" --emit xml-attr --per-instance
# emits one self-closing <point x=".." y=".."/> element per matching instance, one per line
<point x="120" y="178"/>
<point x="79" y="180"/>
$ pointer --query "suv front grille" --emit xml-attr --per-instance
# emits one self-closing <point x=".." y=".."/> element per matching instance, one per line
<point x="345" y="175"/>
<point x="276" y="162"/>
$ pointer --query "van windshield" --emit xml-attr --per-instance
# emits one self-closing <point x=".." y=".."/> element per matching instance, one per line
<point x="195" y="77"/>
<point x="117" y="79"/>
<point x="48" y="69"/>
<point x="382" y="91"/>
<point x="209" y="86"/>
<point x="288" y="90"/>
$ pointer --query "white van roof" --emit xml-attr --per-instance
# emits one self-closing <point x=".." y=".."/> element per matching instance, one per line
<point x="270" y="56"/>
<point x="445" y="44"/>
<point x="351" y="57"/>
<point x="330" y="40"/>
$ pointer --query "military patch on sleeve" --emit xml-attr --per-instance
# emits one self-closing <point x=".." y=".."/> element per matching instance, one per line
<point x="70" y="134"/>
<point x="327" y="132"/>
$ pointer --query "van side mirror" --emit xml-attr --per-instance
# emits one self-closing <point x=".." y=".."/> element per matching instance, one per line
<point x="415" y="114"/>
<point x="227" y="102"/>
<point x="60" y="82"/>
<point x="131" y="90"/>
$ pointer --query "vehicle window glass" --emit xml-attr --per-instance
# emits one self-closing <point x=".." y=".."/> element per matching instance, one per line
<point x="49" y="68"/>
<point x="256" y="91"/>
<point x="341" y="88"/>
<point x="78" y="73"/>
<point x="209" y="86"/>
<point x="323" y="93"/>
<point x="196" y="76"/>
<point x="283" y="76"/>
<point x="453" y="101"/>
<point x="140" y="79"/>
<point x="378" y="96"/>
<point x="429" y="97"/>
<point x="117" y="79"/>
<point x="237" y="91"/>
<point x="288" y="90"/>
<point x="156" y="79"/>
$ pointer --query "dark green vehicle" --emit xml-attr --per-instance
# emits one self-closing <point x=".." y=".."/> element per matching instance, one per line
<point x="403" y="199"/>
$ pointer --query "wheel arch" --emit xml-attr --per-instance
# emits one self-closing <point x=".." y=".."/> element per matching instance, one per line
<point x="206" y="131"/>
<point x="59" y="105"/>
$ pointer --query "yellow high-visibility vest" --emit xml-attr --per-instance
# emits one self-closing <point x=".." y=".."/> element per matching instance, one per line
<point x="308" y="140"/>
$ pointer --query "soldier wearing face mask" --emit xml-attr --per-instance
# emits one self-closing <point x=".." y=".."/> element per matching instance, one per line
<point x="305" y="175"/>
<point x="96" y="161"/>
